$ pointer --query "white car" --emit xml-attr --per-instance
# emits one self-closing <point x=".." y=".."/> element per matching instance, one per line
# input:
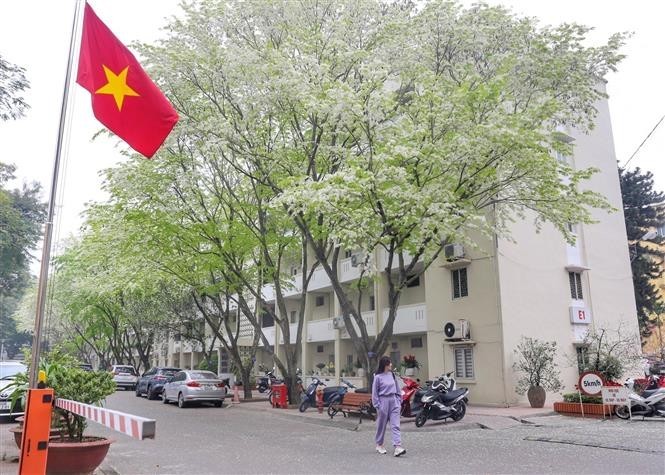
<point x="8" y="370"/>
<point x="125" y="376"/>
<point x="194" y="386"/>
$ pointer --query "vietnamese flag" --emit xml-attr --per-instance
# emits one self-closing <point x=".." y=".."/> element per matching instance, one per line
<point x="124" y="98"/>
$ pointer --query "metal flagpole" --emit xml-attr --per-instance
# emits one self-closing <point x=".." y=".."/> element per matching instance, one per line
<point x="48" y="229"/>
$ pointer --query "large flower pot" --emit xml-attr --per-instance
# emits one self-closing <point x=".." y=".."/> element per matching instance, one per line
<point x="536" y="396"/>
<point x="18" y="433"/>
<point x="72" y="457"/>
<point x="409" y="371"/>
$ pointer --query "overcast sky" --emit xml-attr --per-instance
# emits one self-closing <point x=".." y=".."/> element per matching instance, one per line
<point x="35" y="35"/>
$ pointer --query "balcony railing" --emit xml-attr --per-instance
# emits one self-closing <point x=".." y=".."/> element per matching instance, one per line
<point x="409" y="319"/>
<point x="370" y="323"/>
<point x="320" y="330"/>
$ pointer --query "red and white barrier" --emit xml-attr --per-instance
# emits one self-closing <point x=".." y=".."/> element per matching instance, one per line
<point x="133" y="426"/>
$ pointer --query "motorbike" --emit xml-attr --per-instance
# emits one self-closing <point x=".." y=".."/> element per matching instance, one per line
<point x="263" y="383"/>
<point x="439" y="403"/>
<point x="331" y="394"/>
<point x="650" y="403"/>
<point x="412" y="393"/>
<point x="274" y="380"/>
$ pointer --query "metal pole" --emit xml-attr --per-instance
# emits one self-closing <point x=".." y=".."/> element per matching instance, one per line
<point x="48" y="228"/>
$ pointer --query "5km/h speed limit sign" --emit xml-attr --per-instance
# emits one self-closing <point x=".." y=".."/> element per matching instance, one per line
<point x="590" y="383"/>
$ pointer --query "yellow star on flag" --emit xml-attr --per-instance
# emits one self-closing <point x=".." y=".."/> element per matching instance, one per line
<point x="116" y="86"/>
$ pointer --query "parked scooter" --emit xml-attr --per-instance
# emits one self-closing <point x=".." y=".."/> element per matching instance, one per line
<point x="331" y="394"/>
<point x="651" y="403"/>
<point x="263" y="383"/>
<point x="439" y="403"/>
<point x="412" y="394"/>
<point x="274" y="380"/>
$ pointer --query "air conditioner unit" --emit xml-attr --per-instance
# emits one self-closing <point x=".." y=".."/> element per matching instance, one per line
<point x="459" y="330"/>
<point x="338" y="323"/>
<point x="453" y="251"/>
<point x="355" y="260"/>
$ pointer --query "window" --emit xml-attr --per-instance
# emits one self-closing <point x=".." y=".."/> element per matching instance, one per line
<point x="572" y="228"/>
<point x="582" y="358"/>
<point x="396" y="358"/>
<point x="460" y="285"/>
<point x="293" y="316"/>
<point x="372" y="303"/>
<point x="561" y="157"/>
<point x="464" y="362"/>
<point x="224" y="361"/>
<point x="320" y="301"/>
<point x="267" y="320"/>
<point x="413" y="282"/>
<point x="394" y="345"/>
<point x="348" y="253"/>
<point x="319" y="348"/>
<point x="417" y="342"/>
<point x="575" y="279"/>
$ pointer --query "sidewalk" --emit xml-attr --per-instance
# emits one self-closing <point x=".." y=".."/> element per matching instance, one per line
<point x="477" y="417"/>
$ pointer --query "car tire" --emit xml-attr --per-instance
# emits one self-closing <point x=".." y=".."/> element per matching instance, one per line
<point x="218" y="403"/>
<point x="137" y="392"/>
<point x="150" y="394"/>
<point x="181" y="401"/>
<point x="164" y="400"/>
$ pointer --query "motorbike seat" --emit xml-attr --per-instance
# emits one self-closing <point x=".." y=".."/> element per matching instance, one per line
<point x="650" y="392"/>
<point x="449" y="396"/>
<point x="363" y="390"/>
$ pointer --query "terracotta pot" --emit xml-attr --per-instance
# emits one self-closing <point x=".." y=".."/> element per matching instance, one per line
<point x="67" y="458"/>
<point x="18" y="433"/>
<point x="536" y="396"/>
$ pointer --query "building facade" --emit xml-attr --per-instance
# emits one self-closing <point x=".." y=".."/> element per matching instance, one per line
<point x="534" y="285"/>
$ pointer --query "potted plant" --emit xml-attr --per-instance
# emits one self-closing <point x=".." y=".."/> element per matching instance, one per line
<point x="535" y="360"/>
<point x="320" y="366"/>
<point x="410" y="365"/>
<point x="72" y="451"/>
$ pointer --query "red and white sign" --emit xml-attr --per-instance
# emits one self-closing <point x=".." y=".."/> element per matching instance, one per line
<point x="580" y="315"/>
<point x="591" y="383"/>
<point x="133" y="426"/>
<point x="615" y="395"/>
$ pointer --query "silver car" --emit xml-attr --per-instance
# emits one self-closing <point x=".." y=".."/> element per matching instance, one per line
<point x="194" y="386"/>
<point x="124" y="376"/>
<point x="8" y="371"/>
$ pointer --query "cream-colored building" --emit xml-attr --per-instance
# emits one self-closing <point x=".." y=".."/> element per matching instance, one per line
<point x="537" y="286"/>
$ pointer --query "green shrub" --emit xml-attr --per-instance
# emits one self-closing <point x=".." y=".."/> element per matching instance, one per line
<point x="574" y="397"/>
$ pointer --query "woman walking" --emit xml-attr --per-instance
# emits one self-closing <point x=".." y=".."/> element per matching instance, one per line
<point x="387" y="399"/>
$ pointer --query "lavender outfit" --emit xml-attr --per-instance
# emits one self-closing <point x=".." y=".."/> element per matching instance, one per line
<point x="387" y="401"/>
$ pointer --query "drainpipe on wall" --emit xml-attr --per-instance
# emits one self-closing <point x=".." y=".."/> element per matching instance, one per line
<point x="500" y="317"/>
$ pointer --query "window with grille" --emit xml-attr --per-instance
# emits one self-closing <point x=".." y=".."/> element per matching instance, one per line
<point x="464" y="362"/>
<point x="319" y="349"/>
<point x="582" y="358"/>
<point x="417" y="342"/>
<point x="575" y="279"/>
<point x="320" y="301"/>
<point x="413" y="281"/>
<point x="293" y="316"/>
<point x="460" y="284"/>
<point x="371" y="302"/>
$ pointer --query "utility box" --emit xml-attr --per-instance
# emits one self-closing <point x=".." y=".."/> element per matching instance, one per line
<point x="279" y="396"/>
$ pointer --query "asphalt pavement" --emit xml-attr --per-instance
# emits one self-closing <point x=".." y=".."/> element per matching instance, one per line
<point x="252" y="437"/>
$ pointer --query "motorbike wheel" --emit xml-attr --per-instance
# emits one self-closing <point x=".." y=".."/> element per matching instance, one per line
<point x="304" y="405"/>
<point x="261" y="389"/>
<point x="622" y="412"/>
<point x="421" y="419"/>
<point x="270" y="398"/>
<point x="461" y="411"/>
<point x="332" y="412"/>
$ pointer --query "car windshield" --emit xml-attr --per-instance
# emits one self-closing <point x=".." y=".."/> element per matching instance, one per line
<point x="169" y="372"/>
<point x="202" y="375"/>
<point x="125" y="369"/>
<point x="8" y="370"/>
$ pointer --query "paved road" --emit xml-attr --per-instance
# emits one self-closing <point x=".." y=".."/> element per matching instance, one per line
<point x="249" y="438"/>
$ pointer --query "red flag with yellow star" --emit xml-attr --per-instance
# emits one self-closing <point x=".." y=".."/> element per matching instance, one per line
<point x="124" y="98"/>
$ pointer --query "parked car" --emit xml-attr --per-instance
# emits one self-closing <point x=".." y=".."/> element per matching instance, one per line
<point x="8" y="370"/>
<point x="124" y="376"/>
<point x="86" y="367"/>
<point x="152" y="381"/>
<point x="194" y="386"/>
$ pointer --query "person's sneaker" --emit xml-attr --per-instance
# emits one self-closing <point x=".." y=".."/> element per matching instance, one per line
<point x="380" y="449"/>
<point x="399" y="451"/>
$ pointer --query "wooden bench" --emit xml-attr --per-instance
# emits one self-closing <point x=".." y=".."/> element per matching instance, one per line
<point x="354" y="403"/>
